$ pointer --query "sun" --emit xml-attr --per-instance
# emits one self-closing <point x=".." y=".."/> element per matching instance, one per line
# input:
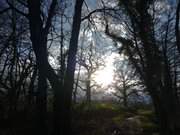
<point x="104" y="77"/>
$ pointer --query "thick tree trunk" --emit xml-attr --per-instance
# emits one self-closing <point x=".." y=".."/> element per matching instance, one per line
<point x="41" y="96"/>
<point x="69" y="76"/>
<point x="167" y="112"/>
<point x="177" y="26"/>
<point x="39" y="43"/>
<point x="163" y="96"/>
<point x="62" y="97"/>
<point x="158" y="81"/>
<point x="169" y="123"/>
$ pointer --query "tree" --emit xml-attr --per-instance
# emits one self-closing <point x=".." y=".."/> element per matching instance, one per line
<point x="39" y="30"/>
<point x="146" y="55"/>
<point x="126" y="82"/>
<point x="91" y="63"/>
<point x="71" y="63"/>
<point x="177" y="26"/>
<point x="16" y="65"/>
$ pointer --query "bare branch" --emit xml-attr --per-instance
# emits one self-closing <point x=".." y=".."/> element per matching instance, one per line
<point x="50" y="16"/>
<point x="127" y="44"/>
<point x="22" y="3"/>
<point x="17" y="10"/>
<point x="96" y="11"/>
<point x="4" y="10"/>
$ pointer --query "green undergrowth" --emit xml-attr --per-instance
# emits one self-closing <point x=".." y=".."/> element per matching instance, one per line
<point x="102" y="118"/>
<point x="148" y="121"/>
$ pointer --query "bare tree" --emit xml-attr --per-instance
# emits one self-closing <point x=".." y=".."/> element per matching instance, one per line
<point x="146" y="55"/>
<point x="126" y="83"/>
<point x="39" y="26"/>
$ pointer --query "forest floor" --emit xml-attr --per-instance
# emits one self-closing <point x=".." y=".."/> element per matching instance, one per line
<point x="111" y="119"/>
<point x="99" y="118"/>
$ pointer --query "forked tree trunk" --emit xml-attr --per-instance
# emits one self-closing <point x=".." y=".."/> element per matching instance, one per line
<point x="38" y="35"/>
<point x="158" y="83"/>
<point x="69" y="75"/>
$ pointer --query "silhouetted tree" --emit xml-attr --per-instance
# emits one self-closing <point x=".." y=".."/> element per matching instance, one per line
<point x="146" y="55"/>
<point x="126" y="82"/>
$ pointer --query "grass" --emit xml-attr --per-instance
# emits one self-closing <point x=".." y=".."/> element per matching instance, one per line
<point x="98" y="119"/>
<point x="102" y="118"/>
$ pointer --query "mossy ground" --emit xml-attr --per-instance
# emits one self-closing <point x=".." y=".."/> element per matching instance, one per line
<point x="102" y="118"/>
<point x="95" y="119"/>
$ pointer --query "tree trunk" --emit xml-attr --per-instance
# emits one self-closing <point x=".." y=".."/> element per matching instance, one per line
<point x="62" y="97"/>
<point x="167" y="112"/>
<point x="39" y="43"/>
<point x="41" y="102"/>
<point x="177" y="26"/>
<point x="88" y="91"/>
<point x="69" y="76"/>
<point x="159" y="81"/>
<point x="125" y="95"/>
<point x="76" y="85"/>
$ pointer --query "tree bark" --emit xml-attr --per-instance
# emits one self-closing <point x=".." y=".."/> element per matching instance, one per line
<point x="69" y="75"/>
<point x="156" y="74"/>
<point x="177" y="26"/>
<point x="38" y="35"/>
<point x="88" y="90"/>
